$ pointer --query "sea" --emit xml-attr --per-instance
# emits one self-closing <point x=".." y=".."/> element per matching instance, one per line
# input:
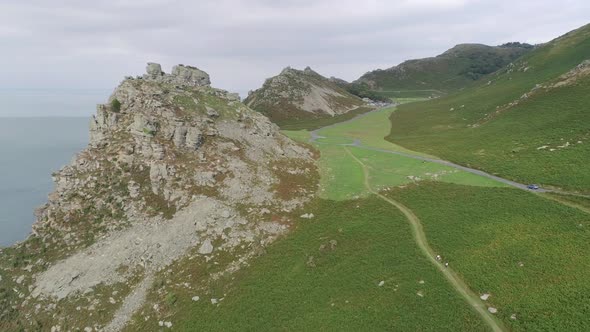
<point x="41" y="130"/>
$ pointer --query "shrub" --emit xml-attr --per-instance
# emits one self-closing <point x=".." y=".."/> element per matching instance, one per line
<point x="171" y="299"/>
<point x="116" y="105"/>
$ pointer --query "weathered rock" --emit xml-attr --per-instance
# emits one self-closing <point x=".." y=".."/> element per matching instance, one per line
<point x="154" y="70"/>
<point x="190" y="75"/>
<point x="181" y="75"/>
<point x="158" y="182"/>
<point x="206" y="248"/>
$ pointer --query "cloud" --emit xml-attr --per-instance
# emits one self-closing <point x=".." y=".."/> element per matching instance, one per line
<point x="71" y="43"/>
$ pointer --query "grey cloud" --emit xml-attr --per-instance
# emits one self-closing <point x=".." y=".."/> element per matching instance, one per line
<point x="240" y="43"/>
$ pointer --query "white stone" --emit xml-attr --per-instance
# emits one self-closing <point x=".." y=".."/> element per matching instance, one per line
<point x="206" y="248"/>
<point x="492" y="310"/>
<point x="214" y="301"/>
<point x="196" y="298"/>
<point x="485" y="296"/>
<point x="168" y="324"/>
<point x="381" y="283"/>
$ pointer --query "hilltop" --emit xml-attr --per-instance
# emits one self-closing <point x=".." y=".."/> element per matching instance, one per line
<point x="296" y="96"/>
<point x="450" y="71"/>
<point x="176" y="172"/>
<point x="527" y="122"/>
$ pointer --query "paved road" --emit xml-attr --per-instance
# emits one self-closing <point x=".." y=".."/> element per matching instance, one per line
<point x="420" y="237"/>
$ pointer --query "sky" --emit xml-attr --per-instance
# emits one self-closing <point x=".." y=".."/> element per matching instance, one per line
<point x="61" y="46"/>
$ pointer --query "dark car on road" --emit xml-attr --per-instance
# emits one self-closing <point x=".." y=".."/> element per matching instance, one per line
<point x="533" y="186"/>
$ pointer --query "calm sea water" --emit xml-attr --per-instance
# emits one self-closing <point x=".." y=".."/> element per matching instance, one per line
<point x="40" y="132"/>
<point x="30" y="150"/>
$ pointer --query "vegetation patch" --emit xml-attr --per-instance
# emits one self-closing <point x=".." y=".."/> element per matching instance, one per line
<point x="354" y="265"/>
<point x="509" y="124"/>
<point x="520" y="248"/>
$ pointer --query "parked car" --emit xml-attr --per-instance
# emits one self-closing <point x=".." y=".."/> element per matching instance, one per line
<point x="533" y="186"/>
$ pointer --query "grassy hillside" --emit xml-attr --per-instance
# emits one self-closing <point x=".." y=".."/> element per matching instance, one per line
<point x="527" y="122"/>
<point x="296" y="98"/>
<point x="450" y="71"/>
<point x="523" y="250"/>
<point x="326" y="276"/>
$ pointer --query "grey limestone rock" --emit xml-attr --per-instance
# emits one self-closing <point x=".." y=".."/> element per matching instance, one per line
<point x="154" y="69"/>
<point x="181" y="75"/>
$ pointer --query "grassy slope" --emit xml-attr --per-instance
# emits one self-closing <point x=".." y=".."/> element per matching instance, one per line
<point x="445" y="73"/>
<point x="507" y="145"/>
<point x="486" y="233"/>
<point x="306" y="123"/>
<point x="280" y="291"/>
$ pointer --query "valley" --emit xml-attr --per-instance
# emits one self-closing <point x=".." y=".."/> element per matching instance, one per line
<point x="368" y="254"/>
<point x="447" y="193"/>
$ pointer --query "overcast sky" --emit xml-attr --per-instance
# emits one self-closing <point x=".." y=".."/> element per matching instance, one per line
<point x="93" y="44"/>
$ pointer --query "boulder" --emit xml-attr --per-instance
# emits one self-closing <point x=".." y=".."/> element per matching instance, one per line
<point x="154" y="70"/>
<point x="190" y="76"/>
<point x="206" y="248"/>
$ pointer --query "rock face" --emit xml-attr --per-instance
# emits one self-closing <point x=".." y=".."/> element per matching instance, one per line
<point x="181" y="75"/>
<point x="301" y="94"/>
<point x="175" y="171"/>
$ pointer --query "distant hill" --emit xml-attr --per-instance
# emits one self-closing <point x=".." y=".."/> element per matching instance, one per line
<point x="301" y="95"/>
<point x="450" y="71"/>
<point x="528" y="121"/>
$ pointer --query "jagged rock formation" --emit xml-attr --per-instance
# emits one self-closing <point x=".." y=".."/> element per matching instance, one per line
<point x="175" y="171"/>
<point x="447" y="72"/>
<point x="301" y="94"/>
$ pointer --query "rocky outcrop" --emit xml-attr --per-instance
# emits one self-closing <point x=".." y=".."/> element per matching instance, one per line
<point x="181" y="75"/>
<point x="175" y="170"/>
<point x="300" y="94"/>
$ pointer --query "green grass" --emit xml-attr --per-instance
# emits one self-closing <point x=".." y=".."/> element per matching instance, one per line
<point x="342" y="178"/>
<point x="582" y="203"/>
<point x="528" y="252"/>
<point x="339" y="290"/>
<point x="301" y="136"/>
<point x="319" y="122"/>
<point x="369" y="129"/>
<point x="450" y="71"/>
<point x="388" y="170"/>
<point x="507" y="143"/>
<point x="403" y="94"/>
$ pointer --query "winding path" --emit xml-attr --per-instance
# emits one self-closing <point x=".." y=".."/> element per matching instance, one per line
<point x="422" y="242"/>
